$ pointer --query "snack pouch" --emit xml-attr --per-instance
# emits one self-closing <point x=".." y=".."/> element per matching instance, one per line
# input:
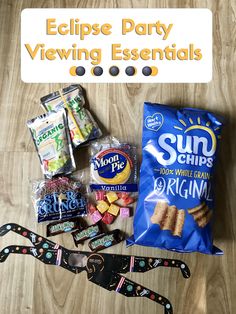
<point x="58" y="198"/>
<point x="175" y="204"/>
<point x="52" y="141"/>
<point x="113" y="166"/>
<point x="81" y="123"/>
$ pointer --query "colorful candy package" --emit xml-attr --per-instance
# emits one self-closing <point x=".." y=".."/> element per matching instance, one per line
<point x="175" y="205"/>
<point x="52" y="141"/>
<point x="81" y="123"/>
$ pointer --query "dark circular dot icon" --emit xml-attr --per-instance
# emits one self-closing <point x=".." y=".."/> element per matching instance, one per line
<point x="80" y="71"/>
<point x="147" y="71"/>
<point x="114" y="70"/>
<point x="130" y="71"/>
<point x="97" y="71"/>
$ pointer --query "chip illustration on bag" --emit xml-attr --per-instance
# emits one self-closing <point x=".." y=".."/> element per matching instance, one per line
<point x="175" y="206"/>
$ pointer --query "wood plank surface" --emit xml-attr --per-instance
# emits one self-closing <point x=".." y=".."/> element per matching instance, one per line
<point x="28" y="286"/>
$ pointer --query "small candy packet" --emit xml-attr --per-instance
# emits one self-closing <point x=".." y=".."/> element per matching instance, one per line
<point x="68" y="225"/>
<point x="82" y="125"/>
<point x="89" y="232"/>
<point x="58" y="198"/>
<point x="52" y="141"/>
<point x="106" y="240"/>
<point x="113" y="166"/>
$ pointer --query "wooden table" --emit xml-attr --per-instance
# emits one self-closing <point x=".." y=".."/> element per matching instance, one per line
<point x="28" y="286"/>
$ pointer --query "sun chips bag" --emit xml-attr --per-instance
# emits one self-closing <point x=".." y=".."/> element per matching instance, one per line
<point x="175" y="206"/>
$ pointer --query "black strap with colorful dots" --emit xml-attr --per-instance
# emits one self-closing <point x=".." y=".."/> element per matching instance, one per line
<point x="127" y="263"/>
<point x="102" y="269"/>
<point x="43" y="249"/>
<point x="129" y="288"/>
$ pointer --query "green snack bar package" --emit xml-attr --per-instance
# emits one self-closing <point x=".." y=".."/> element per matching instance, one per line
<point x="50" y="134"/>
<point x="82" y="126"/>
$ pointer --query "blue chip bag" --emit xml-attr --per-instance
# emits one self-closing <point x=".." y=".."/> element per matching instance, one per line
<point x="175" y="204"/>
